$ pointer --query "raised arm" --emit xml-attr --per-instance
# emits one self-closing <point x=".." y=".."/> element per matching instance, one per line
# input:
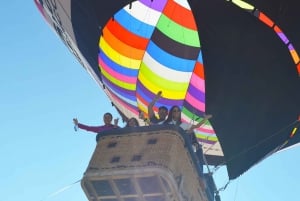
<point x="152" y="103"/>
<point x="206" y="117"/>
<point x="94" y="129"/>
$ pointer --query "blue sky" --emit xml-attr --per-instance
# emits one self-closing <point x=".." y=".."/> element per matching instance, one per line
<point x="43" y="87"/>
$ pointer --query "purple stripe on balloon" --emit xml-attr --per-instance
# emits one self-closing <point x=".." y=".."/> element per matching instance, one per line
<point x="196" y="93"/>
<point x="291" y="47"/>
<point x="206" y="141"/>
<point x="116" y="99"/>
<point x="156" y="5"/>
<point x="150" y="96"/>
<point x="124" y="92"/>
<point x="283" y="37"/>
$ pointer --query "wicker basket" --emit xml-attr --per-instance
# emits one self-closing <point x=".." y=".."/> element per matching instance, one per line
<point x="143" y="164"/>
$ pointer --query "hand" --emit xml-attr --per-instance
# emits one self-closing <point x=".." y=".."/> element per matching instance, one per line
<point x="75" y="121"/>
<point x="158" y="95"/>
<point x="116" y="121"/>
<point x="207" y="116"/>
<point x="151" y="104"/>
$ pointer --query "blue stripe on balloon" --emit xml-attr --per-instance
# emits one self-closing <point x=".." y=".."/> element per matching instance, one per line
<point x="134" y="25"/>
<point x="200" y="58"/>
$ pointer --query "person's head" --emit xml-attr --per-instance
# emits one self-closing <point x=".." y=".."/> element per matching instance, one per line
<point x="107" y="118"/>
<point x="174" y="115"/>
<point x="162" y="112"/>
<point x="132" y="122"/>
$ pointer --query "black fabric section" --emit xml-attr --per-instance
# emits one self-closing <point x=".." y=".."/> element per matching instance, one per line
<point x="252" y="86"/>
<point x="88" y="18"/>
<point x="214" y="160"/>
<point x="285" y="13"/>
<point x="173" y="47"/>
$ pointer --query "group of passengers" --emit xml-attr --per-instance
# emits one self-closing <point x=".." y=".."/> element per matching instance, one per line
<point x="173" y="117"/>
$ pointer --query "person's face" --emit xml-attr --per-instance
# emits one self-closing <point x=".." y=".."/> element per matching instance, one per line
<point x="132" y="123"/>
<point x="176" y="113"/>
<point x="107" y="119"/>
<point x="162" y="113"/>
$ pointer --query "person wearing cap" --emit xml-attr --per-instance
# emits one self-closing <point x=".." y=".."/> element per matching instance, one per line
<point x="162" y="111"/>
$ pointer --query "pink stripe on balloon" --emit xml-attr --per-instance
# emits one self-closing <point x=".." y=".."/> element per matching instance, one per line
<point x="194" y="102"/>
<point x="40" y="7"/>
<point x="198" y="82"/>
<point x="207" y="131"/>
<point x="121" y="77"/>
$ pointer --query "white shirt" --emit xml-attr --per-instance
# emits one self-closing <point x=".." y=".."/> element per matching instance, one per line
<point x="185" y="126"/>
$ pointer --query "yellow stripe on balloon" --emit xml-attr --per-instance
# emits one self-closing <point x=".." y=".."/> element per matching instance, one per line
<point x="293" y="132"/>
<point x="153" y="82"/>
<point x="165" y="71"/>
<point x="205" y="137"/>
<point x="117" y="57"/>
<point x="170" y="94"/>
<point x="143" y="108"/>
<point x="170" y="84"/>
<point x="243" y="4"/>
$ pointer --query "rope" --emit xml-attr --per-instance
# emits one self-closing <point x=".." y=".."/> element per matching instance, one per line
<point x="259" y="143"/>
<point x="59" y="191"/>
<point x="236" y="190"/>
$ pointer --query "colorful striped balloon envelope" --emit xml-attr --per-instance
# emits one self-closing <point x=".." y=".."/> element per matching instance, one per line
<point x="151" y="46"/>
<point x="236" y="60"/>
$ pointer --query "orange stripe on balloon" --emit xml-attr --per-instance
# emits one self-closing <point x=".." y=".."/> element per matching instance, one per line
<point x="126" y="36"/>
<point x="277" y="29"/>
<point x="180" y="15"/>
<point x="294" y="56"/>
<point x="265" y="19"/>
<point x="121" y="46"/>
<point x="199" y="70"/>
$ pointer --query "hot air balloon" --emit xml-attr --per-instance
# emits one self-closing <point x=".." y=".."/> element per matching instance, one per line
<point x="237" y="60"/>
